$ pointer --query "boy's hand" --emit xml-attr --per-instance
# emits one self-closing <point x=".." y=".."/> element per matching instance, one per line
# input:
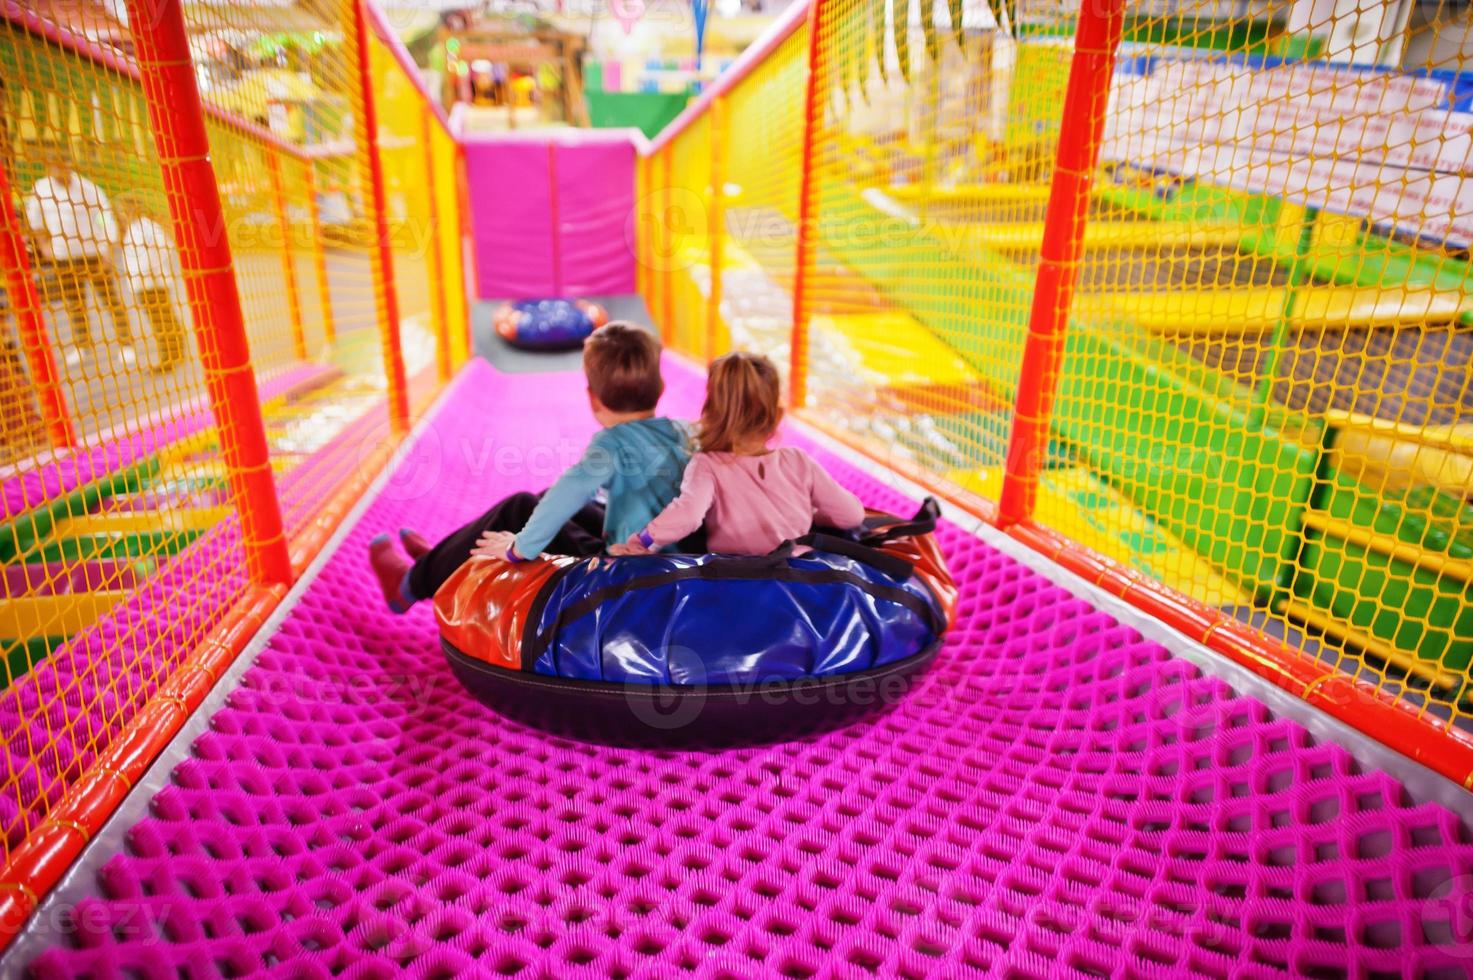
<point x="493" y="544"/>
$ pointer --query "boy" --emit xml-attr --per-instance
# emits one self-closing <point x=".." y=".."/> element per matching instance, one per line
<point x="148" y="264"/>
<point x="638" y="457"/>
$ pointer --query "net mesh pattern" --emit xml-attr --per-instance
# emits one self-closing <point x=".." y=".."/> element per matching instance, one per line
<point x="1262" y="389"/>
<point x="1058" y="797"/>
<point x="121" y="548"/>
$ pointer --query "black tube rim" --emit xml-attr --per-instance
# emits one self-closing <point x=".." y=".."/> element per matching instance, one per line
<point x="625" y="693"/>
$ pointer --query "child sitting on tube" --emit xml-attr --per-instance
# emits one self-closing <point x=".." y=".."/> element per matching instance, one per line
<point x="749" y="498"/>
<point x="638" y="457"/>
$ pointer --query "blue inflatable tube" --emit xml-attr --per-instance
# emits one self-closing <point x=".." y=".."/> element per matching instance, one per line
<point x="548" y="324"/>
<point x="702" y="648"/>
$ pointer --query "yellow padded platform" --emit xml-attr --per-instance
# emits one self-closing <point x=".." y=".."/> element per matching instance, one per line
<point x="1020" y="236"/>
<point x="1230" y="311"/>
<point x="1393" y="459"/>
<point x="147" y="521"/>
<point x="54" y="615"/>
<point x="981" y="193"/>
<point x="896" y="350"/>
<point x="1077" y="504"/>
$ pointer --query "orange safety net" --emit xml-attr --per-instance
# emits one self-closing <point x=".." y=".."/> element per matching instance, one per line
<point x="125" y="569"/>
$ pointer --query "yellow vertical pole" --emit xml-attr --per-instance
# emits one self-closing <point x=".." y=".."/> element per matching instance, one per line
<point x="319" y="255"/>
<point x="654" y="218"/>
<point x="667" y="253"/>
<point x="288" y="259"/>
<point x="716" y="224"/>
<point x="641" y="226"/>
<point x="435" y="259"/>
<point x="381" y="252"/>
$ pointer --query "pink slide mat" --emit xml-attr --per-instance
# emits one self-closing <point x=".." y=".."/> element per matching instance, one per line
<point x="1059" y="797"/>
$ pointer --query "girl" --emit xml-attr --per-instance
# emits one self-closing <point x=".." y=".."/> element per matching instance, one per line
<point x="750" y="498"/>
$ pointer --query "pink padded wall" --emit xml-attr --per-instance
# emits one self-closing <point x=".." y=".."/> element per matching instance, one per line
<point x="537" y="241"/>
<point x="595" y="200"/>
<point x="510" y="218"/>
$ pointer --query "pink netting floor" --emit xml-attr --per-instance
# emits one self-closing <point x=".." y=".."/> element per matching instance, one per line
<point x="1060" y="798"/>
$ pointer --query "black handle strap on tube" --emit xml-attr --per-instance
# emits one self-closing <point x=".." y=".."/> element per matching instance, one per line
<point x="878" y="530"/>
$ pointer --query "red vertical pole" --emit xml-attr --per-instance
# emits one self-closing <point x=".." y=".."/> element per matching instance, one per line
<point x="1097" y="36"/>
<point x="30" y="324"/>
<point x="167" y="73"/>
<point x="382" y="242"/>
<point x="803" y="258"/>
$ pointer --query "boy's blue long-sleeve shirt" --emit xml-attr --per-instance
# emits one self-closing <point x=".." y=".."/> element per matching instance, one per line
<point x="641" y="463"/>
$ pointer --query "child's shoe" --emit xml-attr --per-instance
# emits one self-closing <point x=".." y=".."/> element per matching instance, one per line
<point x="413" y="543"/>
<point x="392" y="570"/>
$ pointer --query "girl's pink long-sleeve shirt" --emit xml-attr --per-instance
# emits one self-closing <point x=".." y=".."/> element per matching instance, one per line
<point x="752" y="504"/>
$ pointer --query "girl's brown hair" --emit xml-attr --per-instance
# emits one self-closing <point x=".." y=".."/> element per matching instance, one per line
<point x="742" y="394"/>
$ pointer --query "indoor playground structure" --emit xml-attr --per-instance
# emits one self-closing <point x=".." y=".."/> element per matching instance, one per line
<point x="1168" y="304"/>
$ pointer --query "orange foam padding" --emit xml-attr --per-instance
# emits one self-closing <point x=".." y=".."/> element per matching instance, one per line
<point x="482" y="608"/>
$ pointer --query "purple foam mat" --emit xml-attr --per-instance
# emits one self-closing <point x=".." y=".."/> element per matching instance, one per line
<point x="57" y="717"/>
<point x="27" y="490"/>
<point x="1058" y="797"/>
<point x="65" y="578"/>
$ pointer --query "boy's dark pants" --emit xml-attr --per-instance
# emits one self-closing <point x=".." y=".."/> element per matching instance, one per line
<point x="580" y="537"/>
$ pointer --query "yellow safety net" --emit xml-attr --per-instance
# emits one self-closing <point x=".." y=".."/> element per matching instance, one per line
<point x="419" y="185"/>
<point x="1263" y="403"/>
<point x="1269" y="362"/>
<point x="723" y="196"/>
<point x="121" y="552"/>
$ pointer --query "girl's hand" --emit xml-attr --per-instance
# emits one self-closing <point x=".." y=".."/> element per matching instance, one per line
<point x="633" y="546"/>
<point x="494" y="544"/>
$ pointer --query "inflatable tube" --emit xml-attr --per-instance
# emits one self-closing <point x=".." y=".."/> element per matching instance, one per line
<point x="703" y="649"/>
<point x="548" y="324"/>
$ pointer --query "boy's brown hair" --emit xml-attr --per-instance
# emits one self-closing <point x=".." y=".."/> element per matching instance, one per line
<point x="622" y="363"/>
<point x="743" y="401"/>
